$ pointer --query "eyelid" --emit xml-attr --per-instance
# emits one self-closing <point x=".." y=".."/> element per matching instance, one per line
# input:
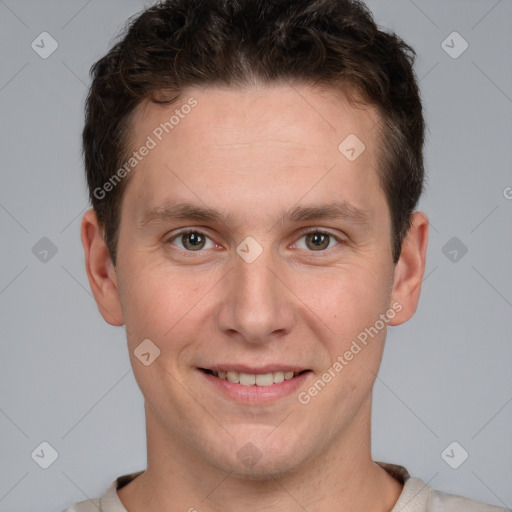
<point x="316" y="229"/>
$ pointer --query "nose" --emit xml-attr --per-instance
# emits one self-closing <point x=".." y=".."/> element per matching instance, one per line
<point x="256" y="305"/>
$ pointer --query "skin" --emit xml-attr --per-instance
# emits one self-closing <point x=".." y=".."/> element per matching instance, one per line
<point x="253" y="154"/>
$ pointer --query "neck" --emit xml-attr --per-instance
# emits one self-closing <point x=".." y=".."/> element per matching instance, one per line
<point x="343" y="477"/>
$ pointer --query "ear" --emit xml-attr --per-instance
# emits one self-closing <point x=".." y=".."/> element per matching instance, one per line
<point x="100" y="270"/>
<point x="410" y="268"/>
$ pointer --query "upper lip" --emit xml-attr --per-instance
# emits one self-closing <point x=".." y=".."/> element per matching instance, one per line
<point x="253" y="370"/>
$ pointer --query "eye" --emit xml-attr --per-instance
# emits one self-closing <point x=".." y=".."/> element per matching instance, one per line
<point x="317" y="241"/>
<point x="192" y="241"/>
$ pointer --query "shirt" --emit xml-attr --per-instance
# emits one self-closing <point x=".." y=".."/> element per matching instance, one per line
<point x="416" y="496"/>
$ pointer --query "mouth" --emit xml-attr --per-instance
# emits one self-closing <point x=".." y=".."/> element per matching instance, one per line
<point x="254" y="379"/>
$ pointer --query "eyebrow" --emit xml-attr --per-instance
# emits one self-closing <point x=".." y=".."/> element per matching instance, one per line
<point x="339" y="210"/>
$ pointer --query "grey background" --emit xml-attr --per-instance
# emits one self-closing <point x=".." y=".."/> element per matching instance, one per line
<point x="65" y="374"/>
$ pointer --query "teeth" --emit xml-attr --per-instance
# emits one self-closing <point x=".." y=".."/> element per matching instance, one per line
<point x="233" y="377"/>
<point x="264" y="379"/>
<point x="247" y="379"/>
<point x="278" y="377"/>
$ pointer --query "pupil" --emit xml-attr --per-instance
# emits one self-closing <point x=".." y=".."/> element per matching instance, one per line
<point x="319" y="240"/>
<point x="193" y="240"/>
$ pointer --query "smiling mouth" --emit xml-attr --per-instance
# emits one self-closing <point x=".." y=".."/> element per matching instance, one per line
<point x="247" y="379"/>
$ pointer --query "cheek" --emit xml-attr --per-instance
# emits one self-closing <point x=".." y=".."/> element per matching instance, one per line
<point x="348" y="322"/>
<point x="156" y="308"/>
<point x="346" y="300"/>
<point x="165" y="307"/>
<point x="150" y="299"/>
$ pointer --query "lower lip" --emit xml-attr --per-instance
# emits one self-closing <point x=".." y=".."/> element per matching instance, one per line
<point x="256" y="394"/>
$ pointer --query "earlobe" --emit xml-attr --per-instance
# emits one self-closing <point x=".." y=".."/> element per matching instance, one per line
<point x="410" y="268"/>
<point x="100" y="271"/>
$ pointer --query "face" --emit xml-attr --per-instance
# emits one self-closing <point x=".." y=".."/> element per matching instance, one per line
<point x="254" y="251"/>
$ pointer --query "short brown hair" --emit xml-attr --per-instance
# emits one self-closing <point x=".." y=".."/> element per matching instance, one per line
<point x="179" y="43"/>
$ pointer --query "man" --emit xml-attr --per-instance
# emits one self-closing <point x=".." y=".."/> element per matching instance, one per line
<point x="254" y="169"/>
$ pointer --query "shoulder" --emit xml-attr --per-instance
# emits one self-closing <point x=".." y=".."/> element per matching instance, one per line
<point x="417" y="496"/>
<point x="439" y="501"/>
<point x="109" y="501"/>
<point x="85" y="506"/>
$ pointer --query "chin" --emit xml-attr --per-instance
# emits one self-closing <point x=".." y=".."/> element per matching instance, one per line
<point x="262" y="459"/>
<point x="275" y="467"/>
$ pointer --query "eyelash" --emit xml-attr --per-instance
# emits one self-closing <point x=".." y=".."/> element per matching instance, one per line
<point x="201" y="251"/>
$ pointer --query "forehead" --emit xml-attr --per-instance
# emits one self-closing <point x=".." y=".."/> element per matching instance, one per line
<point x="255" y="141"/>
<point x="245" y="114"/>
